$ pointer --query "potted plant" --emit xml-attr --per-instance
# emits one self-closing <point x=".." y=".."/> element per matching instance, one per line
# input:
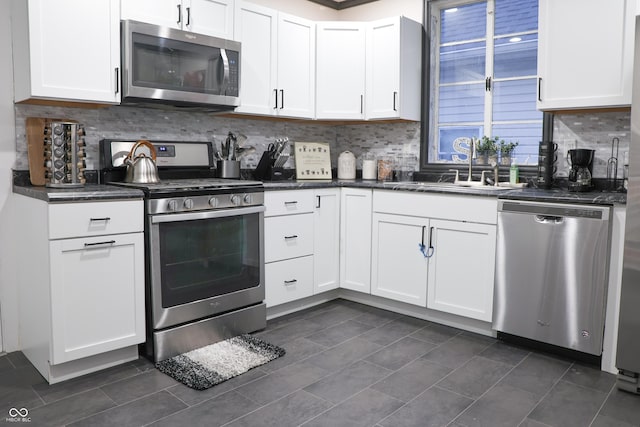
<point x="486" y="149"/>
<point x="506" y="150"/>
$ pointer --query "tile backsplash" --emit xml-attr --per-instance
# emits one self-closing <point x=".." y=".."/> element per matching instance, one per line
<point x="132" y="123"/>
<point x="583" y="130"/>
<point x="594" y="131"/>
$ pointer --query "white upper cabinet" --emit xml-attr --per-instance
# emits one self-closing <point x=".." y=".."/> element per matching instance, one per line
<point x="393" y="69"/>
<point x="277" y="71"/>
<point x="66" y="50"/>
<point x="585" y="53"/>
<point x="210" y="17"/>
<point x="340" y="81"/>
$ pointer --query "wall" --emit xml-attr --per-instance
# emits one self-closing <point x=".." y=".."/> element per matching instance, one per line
<point x="8" y="292"/>
<point x="593" y="131"/>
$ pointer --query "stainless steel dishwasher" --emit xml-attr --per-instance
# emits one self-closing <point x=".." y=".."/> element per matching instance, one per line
<point x="551" y="273"/>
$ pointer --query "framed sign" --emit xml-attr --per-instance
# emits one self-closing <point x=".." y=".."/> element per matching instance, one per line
<point x="313" y="160"/>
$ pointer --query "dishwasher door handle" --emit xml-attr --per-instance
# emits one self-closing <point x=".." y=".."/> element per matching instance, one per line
<point x="549" y="219"/>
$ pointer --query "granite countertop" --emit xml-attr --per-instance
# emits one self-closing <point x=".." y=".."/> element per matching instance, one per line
<point x="88" y="192"/>
<point x="533" y="194"/>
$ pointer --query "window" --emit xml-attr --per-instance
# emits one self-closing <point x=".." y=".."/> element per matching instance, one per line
<point x="483" y="77"/>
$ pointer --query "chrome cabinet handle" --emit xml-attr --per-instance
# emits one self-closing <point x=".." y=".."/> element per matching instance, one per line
<point x="275" y="92"/>
<point x="99" y="219"/>
<point x="395" y="98"/>
<point x="539" y="88"/>
<point x="295" y="236"/>
<point x="188" y="16"/>
<point x="117" y="73"/>
<point x="179" y="14"/>
<point x="290" y="282"/>
<point x="293" y="202"/>
<point x="281" y="99"/>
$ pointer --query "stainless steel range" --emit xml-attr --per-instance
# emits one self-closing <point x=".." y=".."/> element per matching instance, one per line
<point x="204" y="240"/>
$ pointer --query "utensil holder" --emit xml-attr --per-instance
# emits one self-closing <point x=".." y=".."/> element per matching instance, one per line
<point x="228" y="169"/>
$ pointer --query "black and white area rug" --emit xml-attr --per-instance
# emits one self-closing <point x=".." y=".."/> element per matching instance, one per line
<point x="205" y="367"/>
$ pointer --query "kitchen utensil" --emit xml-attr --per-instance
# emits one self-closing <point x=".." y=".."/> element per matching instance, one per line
<point x="612" y="165"/>
<point x="228" y="169"/>
<point x="140" y="168"/>
<point x="281" y="160"/>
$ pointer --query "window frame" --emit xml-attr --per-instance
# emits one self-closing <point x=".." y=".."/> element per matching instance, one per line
<point x="430" y="103"/>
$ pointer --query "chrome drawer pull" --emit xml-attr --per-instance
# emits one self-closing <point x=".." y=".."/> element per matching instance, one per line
<point x="290" y="237"/>
<point x="100" y="219"/>
<point x="108" y="242"/>
<point x="290" y="282"/>
<point x="291" y="203"/>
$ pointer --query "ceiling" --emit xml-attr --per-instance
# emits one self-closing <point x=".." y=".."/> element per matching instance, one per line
<point x="341" y="4"/>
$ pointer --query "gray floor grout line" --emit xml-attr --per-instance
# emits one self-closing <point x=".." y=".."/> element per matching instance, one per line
<point x="548" y="391"/>
<point x="488" y="390"/>
<point x="604" y="402"/>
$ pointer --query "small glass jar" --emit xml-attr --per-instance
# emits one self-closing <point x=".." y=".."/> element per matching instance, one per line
<point x="407" y="167"/>
<point x="385" y="168"/>
<point x="369" y="166"/>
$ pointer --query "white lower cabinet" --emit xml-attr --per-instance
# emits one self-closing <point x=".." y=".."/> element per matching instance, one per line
<point x="288" y="280"/>
<point x="461" y="270"/>
<point x="399" y="269"/>
<point x="326" y="240"/>
<point x="81" y="284"/>
<point x="355" y="239"/>
<point x="455" y="272"/>
<point x="95" y="294"/>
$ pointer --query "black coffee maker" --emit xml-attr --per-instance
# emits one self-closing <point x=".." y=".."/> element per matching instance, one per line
<point x="581" y="161"/>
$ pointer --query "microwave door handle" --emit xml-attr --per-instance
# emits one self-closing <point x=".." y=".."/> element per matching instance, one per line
<point x="225" y="77"/>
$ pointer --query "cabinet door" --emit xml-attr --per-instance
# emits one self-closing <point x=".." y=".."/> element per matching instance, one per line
<point x="355" y="239"/>
<point x="461" y="270"/>
<point x="393" y="69"/>
<point x="326" y="240"/>
<point x="296" y="66"/>
<point x="88" y="29"/>
<point x="210" y="17"/>
<point x="166" y="13"/>
<point x="340" y="70"/>
<point x="572" y="33"/>
<point x="256" y="28"/>
<point x="398" y="267"/>
<point x="97" y="295"/>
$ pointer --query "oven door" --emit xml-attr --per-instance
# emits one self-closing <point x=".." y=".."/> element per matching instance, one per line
<point x="205" y="263"/>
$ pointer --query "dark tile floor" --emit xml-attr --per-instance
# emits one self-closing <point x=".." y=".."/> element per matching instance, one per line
<point x="346" y="365"/>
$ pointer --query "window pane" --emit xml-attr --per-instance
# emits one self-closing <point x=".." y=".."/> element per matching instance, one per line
<point x="528" y="137"/>
<point x="454" y="142"/>
<point x="515" y="100"/>
<point x="461" y="103"/>
<point x="463" y="62"/>
<point x="516" y="56"/>
<point x="516" y="16"/>
<point x="463" y="23"/>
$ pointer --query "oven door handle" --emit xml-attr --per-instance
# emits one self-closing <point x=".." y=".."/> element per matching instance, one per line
<point x="190" y="216"/>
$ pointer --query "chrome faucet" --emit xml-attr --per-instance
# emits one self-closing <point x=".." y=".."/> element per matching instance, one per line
<point x="472" y="155"/>
<point x="496" y="170"/>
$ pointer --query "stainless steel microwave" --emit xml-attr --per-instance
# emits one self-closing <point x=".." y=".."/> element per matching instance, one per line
<point x="161" y="65"/>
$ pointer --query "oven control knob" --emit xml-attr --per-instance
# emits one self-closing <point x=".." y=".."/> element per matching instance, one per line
<point x="172" y="205"/>
<point x="235" y="200"/>
<point x="247" y="199"/>
<point x="188" y="204"/>
<point x="213" y="202"/>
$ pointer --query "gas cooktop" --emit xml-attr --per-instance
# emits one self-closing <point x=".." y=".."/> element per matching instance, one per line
<point x="192" y="184"/>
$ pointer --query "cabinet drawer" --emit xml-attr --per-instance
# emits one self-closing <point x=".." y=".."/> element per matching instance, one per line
<point x="288" y="202"/>
<point x="288" y="280"/>
<point x="288" y="237"/>
<point x="95" y="218"/>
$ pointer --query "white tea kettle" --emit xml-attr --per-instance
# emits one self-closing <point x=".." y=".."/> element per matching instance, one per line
<point x="141" y="169"/>
<point x="346" y="165"/>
